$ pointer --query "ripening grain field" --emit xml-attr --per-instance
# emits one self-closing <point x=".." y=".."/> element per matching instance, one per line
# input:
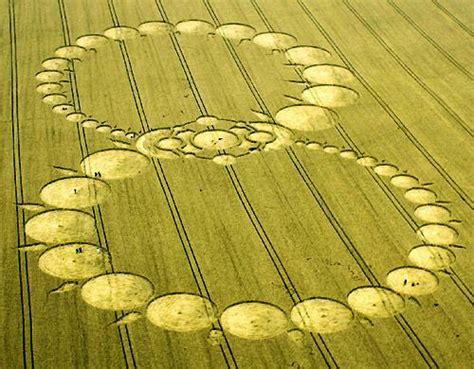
<point x="236" y="184"/>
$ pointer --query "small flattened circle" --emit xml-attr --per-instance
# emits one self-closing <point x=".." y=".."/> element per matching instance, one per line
<point x="412" y="281"/>
<point x="321" y="315"/>
<point x="261" y="137"/>
<point x="432" y="257"/>
<point x="61" y="226"/>
<point x="130" y="135"/>
<point x="437" y="234"/>
<point x="254" y="320"/>
<point x="75" y="192"/>
<point x="314" y="146"/>
<point x="284" y="136"/>
<point x="330" y="96"/>
<point x="296" y="336"/>
<point x="377" y="302"/>
<point x="75" y="117"/>
<point x="74" y="261"/>
<point x="274" y="40"/>
<point x="117" y="291"/>
<point x="224" y="159"/>
<point x="348" y="154"/>
<point x="103" y="128"/>
<point x="115" y="164"/>
<point x="330" y="149"/>
<point x="170" y="143"/>
<point x="215" y="139"/>
<point x="182" y="312"/>
<point x="117" y="132"/>
<point x="63" y="109"/>
<point x="207" y="120"/>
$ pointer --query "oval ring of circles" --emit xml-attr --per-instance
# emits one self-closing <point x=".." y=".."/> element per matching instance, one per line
<point x="61" y="231"/>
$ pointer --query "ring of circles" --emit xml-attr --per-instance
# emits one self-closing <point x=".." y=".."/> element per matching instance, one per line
<point x="62" y="232"/>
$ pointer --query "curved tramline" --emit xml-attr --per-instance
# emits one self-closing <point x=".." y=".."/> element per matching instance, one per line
<point x="65" y="232"/>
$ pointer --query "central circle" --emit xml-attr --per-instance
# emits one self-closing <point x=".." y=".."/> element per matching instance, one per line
<point x="215" y="140"/>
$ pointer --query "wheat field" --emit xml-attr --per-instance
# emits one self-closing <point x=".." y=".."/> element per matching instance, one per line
<point x="236" y="184"/>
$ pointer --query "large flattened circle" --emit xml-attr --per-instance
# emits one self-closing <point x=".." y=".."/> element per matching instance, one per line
<point x="307" y="55"/>
<point x="437" y="234"/>
<point x="92" y="41"/>
<point x="254" y="320"/>
<point x="432" y="257"/>
<point x="328" y="74"/>
<point x="321" y="315"/>
<point x="121" y="33"/>
<point x="215" y="139"/>
<point x="74" y="261"/>
<point x="70" y="52"/>
<point x="61" y="226"/>
<point x="182" y="312"/>
<point x="377" y="302"/>
<point x="330" y="96"/>
<point x="75" y="192"/>
<point x="236" y="31"/>
<point x="160" y="28"/>
<point x="117" y="291"/>
<point x="404" y="181"/>
<point x="195" y="26"/>
<point x="420" y="195"/>
<point x="115" y="164"/>
<point x="306" y="117"/>
<point x="434" y="213"/>
<point x="412" y="281"/>
<point x="386" y="170"/>
<point x="274" y="40"/>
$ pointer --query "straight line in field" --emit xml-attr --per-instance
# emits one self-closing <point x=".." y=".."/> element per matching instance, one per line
<point x="22" y="258"/>
<point x="453" y="17"/>
<point x="428" y="38"/>
<point x="408" y="70"/>
<point x="383" y="104"/>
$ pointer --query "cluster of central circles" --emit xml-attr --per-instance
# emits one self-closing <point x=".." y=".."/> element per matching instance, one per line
<point x="327" y="88"/>
<point x="67" y="234"/>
